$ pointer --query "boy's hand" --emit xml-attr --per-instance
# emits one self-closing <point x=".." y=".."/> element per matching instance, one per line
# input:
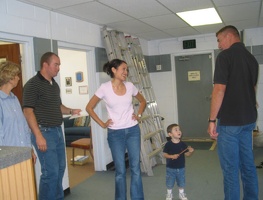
<point x="175" y="156"/>
<point x="190" y="149"/>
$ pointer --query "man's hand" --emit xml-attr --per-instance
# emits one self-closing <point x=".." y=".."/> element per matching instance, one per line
<point x="212" y="131"/>
<point x="41" y="143"/>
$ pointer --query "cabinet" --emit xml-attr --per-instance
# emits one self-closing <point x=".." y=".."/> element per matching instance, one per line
<point x="17" y="179"/>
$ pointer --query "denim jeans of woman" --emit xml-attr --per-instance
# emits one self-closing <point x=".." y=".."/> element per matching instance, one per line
<point x="237" y="160"/>
<point x="119" y="141"/>
<point x="53" y="163"/>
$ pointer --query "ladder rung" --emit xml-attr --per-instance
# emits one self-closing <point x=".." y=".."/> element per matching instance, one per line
<point x="143" y="118"/>
<point x="148" y="102"/>
<point x="163" y="144"/>
<point x="151" y="134"/>
<point x="147" y="87"/>
<point x="153" y="153"/>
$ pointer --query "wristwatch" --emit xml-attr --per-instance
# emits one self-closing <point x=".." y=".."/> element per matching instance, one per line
<point x="211" y="120"/>
<point x="139" y="115"/>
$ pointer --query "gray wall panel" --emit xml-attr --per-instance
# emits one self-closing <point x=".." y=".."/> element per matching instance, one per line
<point x="101" y="58"/>
<point x="42" y="46"/>
<point x="163" y="60"/>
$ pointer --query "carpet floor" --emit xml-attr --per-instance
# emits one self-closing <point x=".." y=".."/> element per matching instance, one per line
<point x="201" y="145"/>
<point x="79" y="173"/>
<point x="203" y="180"/>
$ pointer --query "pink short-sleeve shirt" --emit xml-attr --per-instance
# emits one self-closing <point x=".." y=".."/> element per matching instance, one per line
<point x="119" y="108"/>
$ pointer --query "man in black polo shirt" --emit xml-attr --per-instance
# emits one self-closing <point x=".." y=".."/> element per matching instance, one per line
<point x="43" y="110"/>
<point x="234" y="105"/>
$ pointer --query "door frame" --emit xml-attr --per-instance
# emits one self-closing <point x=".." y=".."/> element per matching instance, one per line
<point x="97" y="139"/>
<point x="26" y="51"/>
<point x="188" y="53"/>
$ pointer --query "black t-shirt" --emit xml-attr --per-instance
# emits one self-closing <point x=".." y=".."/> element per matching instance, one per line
<point x="175" y="148"/>
<point x="237" y="68"/>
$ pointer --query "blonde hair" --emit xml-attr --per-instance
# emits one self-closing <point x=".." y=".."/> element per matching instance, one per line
<point x="8" y="71"/>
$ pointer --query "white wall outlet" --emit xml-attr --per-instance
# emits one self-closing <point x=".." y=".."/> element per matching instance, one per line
<point x="158" y="67"/>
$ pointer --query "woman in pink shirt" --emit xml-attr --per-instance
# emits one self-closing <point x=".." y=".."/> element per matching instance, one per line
<point x="122" y="125"/>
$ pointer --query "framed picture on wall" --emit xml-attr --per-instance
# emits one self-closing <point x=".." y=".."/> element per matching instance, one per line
<point x="79" y="76"/>
<point x="68" y="81"/>
<point x="68" y="91"/>
<point x="83" y="89"/>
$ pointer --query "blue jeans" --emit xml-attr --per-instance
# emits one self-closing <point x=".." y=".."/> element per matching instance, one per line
<point x="53" y="164"/>
<point x="119" y="141"/>
<point x="173" y="175"/>
<point x="236" y="156"/>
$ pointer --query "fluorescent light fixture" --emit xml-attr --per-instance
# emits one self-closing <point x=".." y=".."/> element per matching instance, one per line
<point x="200" y="17"/>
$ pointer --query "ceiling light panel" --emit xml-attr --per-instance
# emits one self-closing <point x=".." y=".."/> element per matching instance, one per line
<point x="200" y="17"/>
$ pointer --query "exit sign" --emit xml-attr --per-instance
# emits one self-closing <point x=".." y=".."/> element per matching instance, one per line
<point x="189" y="44"/>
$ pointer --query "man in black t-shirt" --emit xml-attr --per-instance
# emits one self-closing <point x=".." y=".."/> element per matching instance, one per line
<point x="233" y="104"/>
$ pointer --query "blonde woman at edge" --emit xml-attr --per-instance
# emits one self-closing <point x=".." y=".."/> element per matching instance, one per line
<point x="122" y="126"/>
<point x="14" y="130"/>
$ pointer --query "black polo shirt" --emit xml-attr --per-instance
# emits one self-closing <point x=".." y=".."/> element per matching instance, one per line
<point x="44" y="98"/>
<point x="237" y="68"/>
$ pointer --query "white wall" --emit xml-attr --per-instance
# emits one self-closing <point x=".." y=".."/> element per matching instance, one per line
<point x="20" y="18"/>
<point x="73" y="61"/>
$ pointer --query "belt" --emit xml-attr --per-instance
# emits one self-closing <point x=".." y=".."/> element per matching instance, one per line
<point x="46" y="126"/>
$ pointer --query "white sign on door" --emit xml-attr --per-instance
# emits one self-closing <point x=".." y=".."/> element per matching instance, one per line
<point x="193" y="75"/>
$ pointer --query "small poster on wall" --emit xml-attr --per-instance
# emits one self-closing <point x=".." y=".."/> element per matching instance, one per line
<point x="83" y="89"/>
<point x="68" y="91"/>
<point x="68" y="81"/>
<point x="79" y="76"/>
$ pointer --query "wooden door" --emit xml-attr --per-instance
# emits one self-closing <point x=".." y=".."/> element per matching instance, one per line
<point x="11" y="52"/>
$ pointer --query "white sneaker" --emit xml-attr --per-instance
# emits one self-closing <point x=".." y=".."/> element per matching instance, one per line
<point x="169" y="196"/>
<point x="182" y="196"/>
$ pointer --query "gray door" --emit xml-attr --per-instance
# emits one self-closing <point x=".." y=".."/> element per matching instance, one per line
<point x="194" y="88"/>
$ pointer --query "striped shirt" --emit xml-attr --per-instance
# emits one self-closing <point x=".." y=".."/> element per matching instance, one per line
<point x="44" y="98"/>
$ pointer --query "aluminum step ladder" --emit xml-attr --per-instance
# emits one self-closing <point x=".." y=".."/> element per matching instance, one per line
<point x="153" y="135"/>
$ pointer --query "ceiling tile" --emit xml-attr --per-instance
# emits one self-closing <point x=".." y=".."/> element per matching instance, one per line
<point x="243" y="24"/>
<point x="51" y="4"/>
<point x="249" y="11"/>
<point x="165" y="21"/>
<point x="186" y="5"/>
<point x="95" y="12"/>
<point x="180" y="32"/>
<point x="209" y="28"/>
<point x="153" y="35"/>
<point x="137" y="8"/>
<point x="232" y="2"/>
<point x="132" y="26"/>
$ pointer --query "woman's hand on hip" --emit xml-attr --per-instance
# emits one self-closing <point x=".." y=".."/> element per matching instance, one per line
<point x="107" y="123"/>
